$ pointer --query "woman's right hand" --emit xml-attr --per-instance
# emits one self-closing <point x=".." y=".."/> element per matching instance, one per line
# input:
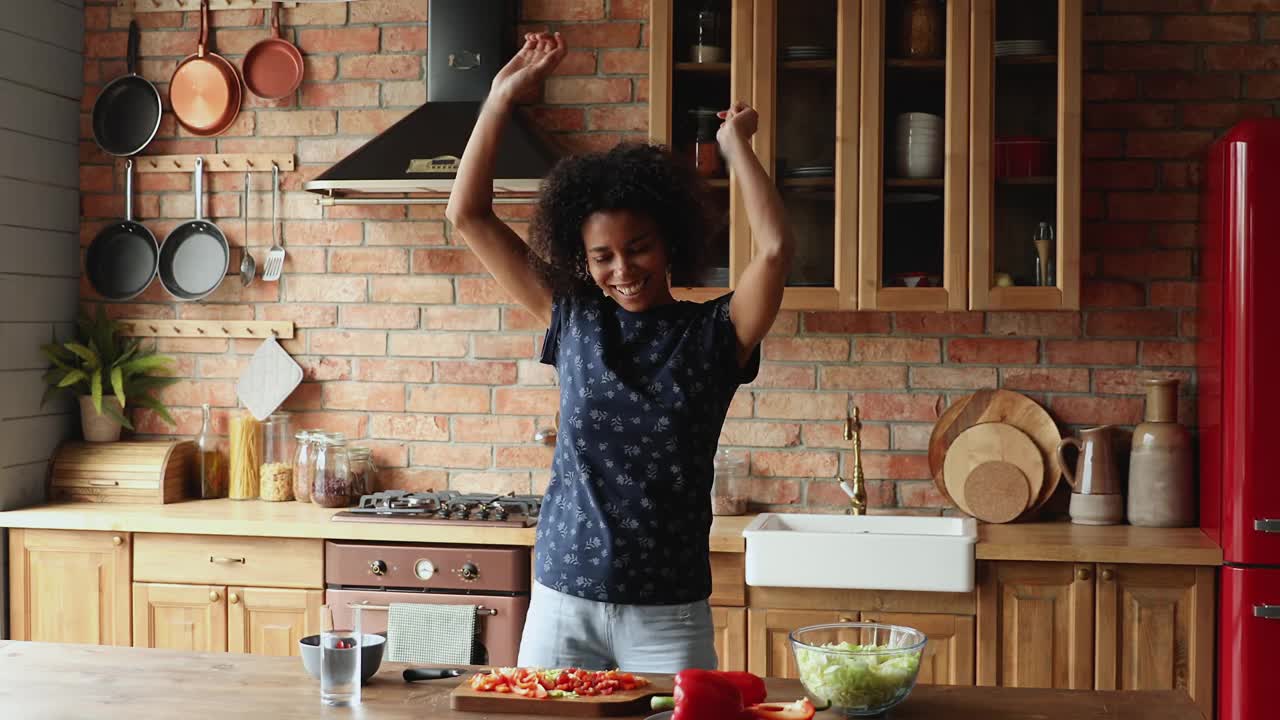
<point x="525" y="73"/>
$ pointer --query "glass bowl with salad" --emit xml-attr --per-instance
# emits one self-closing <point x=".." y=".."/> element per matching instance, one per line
<point x="862" y="669"/>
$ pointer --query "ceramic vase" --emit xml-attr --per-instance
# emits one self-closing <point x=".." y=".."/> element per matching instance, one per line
<point x="1161" y="485"/>
<point x="99" y="427"/>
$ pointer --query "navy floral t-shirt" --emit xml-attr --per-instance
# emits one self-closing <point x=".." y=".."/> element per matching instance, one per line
<point x="642" y="401"/>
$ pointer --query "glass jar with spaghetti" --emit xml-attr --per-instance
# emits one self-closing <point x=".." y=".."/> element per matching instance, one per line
<point x="275" y="476"/>
<point x="246" y="456"/>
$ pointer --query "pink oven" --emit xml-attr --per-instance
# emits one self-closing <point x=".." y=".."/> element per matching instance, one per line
<point x="496" y="579"/>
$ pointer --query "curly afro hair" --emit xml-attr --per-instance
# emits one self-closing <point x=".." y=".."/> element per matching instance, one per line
<point x="639" y="177"/>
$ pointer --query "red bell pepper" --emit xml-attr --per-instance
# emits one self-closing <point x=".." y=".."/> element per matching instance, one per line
<point x="751" y="686"/>
<point x="706" y="695"/>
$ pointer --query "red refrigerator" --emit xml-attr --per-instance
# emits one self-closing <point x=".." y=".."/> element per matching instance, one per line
<point x="1239" y="400"/>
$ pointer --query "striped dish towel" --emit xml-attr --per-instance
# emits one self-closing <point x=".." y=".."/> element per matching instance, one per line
<point x="443" y="634"/>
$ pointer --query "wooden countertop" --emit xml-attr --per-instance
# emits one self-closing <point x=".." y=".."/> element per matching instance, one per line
<point x="45" y="680"/>
<point x="1045" y="541"/>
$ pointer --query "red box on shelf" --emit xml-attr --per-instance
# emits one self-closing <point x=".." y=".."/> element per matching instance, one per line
<point x="1018" y="157"/>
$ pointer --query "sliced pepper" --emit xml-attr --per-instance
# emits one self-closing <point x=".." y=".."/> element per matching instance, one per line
<point x="798" y="710"/>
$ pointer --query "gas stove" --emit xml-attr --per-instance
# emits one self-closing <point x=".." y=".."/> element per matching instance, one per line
<point x="446" y="506"/>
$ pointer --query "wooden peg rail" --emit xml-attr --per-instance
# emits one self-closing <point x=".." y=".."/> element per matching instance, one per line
<point x="227" y="162"/>
<point x="261" y="329"/>
<point x="182" y="5"/>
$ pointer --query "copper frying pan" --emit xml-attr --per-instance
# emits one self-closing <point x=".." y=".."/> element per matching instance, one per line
<point x="273" y="67"/>
<point x="205" y="88"/>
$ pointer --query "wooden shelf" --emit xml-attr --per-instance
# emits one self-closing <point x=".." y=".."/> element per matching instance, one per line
<point x="213" y="162"/>
<point x="718" y="183"/>
<point x="1027" y="59"/>
<point x="180" y="5"/>
<point x="715" y="68"/>
<point x="808" y="65"/>
<point x="914" y="182"/>
<point x="915" y="64"/>
<point x="809" y="182"/>
<point x="1049" y="180"/>
<point x="147" y="327"/>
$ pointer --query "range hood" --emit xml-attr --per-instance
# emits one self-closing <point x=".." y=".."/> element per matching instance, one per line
<point x="416" y="159"/>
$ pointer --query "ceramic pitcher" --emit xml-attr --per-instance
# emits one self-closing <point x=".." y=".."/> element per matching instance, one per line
<point x="1096" y="472"/>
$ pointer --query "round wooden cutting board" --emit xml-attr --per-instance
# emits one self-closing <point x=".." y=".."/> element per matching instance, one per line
<point x="997" y="491"/>
<point x="985" y="443"/>
<point x="1002" y="406"/>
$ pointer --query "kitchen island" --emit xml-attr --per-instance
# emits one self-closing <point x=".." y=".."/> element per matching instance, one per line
<point x="41" y="681"/>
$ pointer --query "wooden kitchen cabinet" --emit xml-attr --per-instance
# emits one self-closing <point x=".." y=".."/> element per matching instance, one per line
<point x="216" y="618"/>
<point x="948" y="656"/>
<point x="271" y="621"/>
<point x="1155" y="630"/>
<point x="913" y="236"/>
<point x="731" y="637"/>
<point x="1035" y="624"/>
<point x="768" y="646"/>
<point x="830" y="81"/>
<point x="1020" y="97"/>
<point x="69" y="586"/>
<point x="180" y="617"/>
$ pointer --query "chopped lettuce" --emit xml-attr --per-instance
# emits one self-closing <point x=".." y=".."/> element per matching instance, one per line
<point x="863" y="680"/>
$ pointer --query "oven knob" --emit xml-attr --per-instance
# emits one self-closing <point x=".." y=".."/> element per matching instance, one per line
<point x="468" y="572"/>
<point x="377" y="567"/>
<point x="424" y="569"/>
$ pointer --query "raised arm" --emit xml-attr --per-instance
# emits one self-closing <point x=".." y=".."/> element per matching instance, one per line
<point x="470" y="208"/>
<point x="758" y="294"/>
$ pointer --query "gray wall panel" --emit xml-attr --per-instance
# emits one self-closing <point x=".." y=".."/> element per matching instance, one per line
<point x="38" y="112"/>
<point x="24" y="251"/>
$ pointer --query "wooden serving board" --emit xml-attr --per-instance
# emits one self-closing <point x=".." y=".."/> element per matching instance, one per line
<point x="1006" y="406"/>
<point x="630" y="702"/>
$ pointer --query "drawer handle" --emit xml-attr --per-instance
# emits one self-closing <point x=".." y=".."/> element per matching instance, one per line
<point x="1108" y="574"/>
<point x="117" y="540"/>
<point x="221" y="559"/>
<point x="1269" y="612"/>
<point x="104" y="483"/>
<point x="233" y="598"/>
<point x="1267" y="526"/>
<point x="213" y="596"/>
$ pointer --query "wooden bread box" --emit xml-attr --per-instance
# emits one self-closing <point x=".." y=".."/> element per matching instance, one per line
<point x="122" y="472"/>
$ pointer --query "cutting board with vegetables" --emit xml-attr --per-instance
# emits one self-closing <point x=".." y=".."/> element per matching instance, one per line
<point x="621" y="702"/>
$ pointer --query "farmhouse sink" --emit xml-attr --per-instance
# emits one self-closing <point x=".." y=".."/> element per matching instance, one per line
<point x="880" y="552"/>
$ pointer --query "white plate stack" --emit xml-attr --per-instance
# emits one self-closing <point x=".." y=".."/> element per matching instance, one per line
<point x="1005" y="48"/>
<point x="918" y="145"/>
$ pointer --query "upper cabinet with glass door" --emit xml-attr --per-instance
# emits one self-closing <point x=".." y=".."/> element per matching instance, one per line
<point x="915" y="161"/>
<point x="805" y="89"/>
<point x="1025" y="212"/>
<point x="700" y="59"/>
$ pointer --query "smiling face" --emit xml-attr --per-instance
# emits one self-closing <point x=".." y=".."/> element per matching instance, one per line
<point x="627" y="258"/>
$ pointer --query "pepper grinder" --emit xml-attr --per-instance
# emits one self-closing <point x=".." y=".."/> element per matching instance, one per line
<point x="858" y="492"/>
<point x="1044" y="252"/>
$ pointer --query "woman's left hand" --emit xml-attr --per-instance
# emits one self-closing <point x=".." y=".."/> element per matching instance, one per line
<point x="739" y="123"/>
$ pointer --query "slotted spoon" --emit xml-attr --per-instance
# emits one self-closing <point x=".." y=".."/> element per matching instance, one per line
<point x="275" y="258"/>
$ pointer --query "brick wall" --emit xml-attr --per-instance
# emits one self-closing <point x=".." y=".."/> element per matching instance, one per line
<point x="407" y="344"/>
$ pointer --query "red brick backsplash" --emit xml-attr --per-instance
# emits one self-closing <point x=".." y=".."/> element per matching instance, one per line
<point x="408" y="346"/>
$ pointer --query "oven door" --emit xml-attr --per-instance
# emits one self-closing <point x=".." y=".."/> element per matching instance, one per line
<point x="499" y="634"/>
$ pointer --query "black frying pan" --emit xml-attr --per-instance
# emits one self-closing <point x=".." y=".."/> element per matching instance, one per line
<point x="126" y="113"/>
<point x="195" y="256"/>
<point x="121" y="261"/>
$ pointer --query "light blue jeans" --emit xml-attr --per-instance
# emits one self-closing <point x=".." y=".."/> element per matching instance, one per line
<point x="568" y="631"/>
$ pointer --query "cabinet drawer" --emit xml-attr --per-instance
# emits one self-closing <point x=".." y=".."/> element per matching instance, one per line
<point x="229" y="560"/>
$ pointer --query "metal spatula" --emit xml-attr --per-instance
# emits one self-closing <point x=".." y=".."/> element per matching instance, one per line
<point x="275" y="257"/>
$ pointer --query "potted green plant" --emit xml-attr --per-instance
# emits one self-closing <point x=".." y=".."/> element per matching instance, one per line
<point x="108" y="373"/>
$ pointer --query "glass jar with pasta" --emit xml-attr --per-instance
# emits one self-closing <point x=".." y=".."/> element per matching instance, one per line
<point x="246" y="456"/>
<point x="275" y="476"/>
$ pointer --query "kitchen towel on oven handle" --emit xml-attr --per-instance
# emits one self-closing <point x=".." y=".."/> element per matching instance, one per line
<point x="425" y="633"/>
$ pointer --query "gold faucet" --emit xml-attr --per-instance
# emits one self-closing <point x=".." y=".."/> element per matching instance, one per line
<point x="853" y="431"/>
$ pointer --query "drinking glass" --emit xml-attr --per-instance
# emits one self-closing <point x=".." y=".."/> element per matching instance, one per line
<point x="340" y="660"/>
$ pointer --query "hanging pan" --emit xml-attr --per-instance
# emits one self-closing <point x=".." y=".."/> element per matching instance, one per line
<point x="205" y="88"/>
<point x="121" y="260"/>
<point x="195" y="256"/>
<point x="273" y="67"/>
<point x="126" y="113"/>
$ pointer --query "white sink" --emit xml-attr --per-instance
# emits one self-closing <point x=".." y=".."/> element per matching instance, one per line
<point x="879" y="552"/>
